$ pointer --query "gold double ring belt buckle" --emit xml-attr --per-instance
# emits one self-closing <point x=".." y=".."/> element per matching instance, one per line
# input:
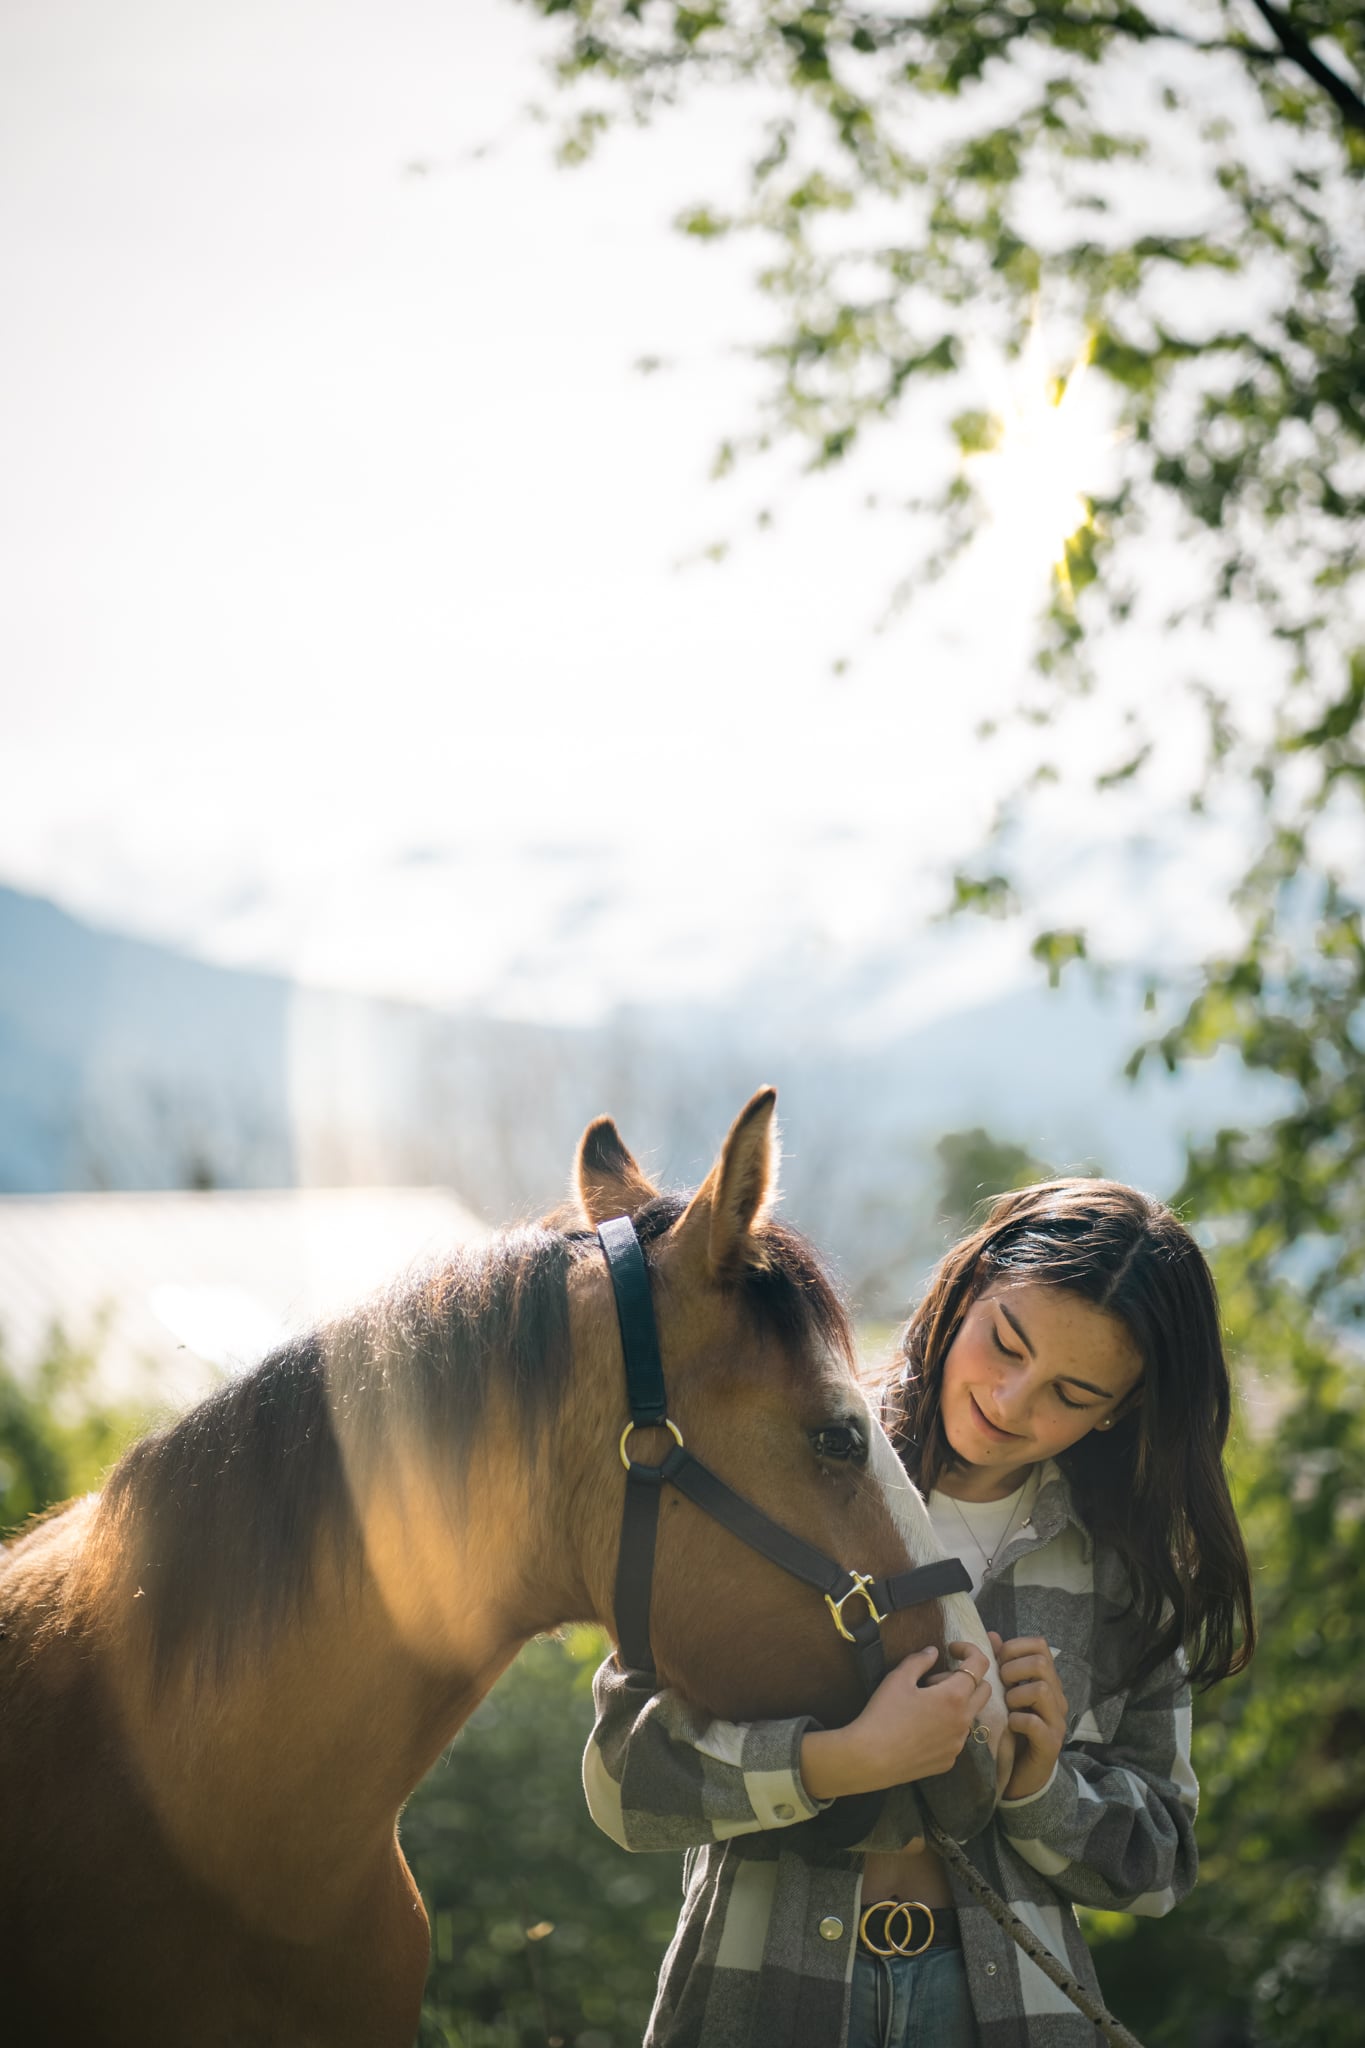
<point x="897" y="1945"/>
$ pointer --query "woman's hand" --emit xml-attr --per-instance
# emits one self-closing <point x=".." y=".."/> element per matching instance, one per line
<point x="1037" y="1709"/>
<point x="906" y="1731"/>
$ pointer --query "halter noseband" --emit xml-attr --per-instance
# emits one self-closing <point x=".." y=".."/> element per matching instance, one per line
<point x="648" y="1405"/>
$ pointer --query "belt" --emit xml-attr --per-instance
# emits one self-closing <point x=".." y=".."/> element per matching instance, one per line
<point x="906" y="1927"/>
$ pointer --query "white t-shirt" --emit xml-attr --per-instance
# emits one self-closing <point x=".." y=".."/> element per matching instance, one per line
<point x="976" y="1530"/>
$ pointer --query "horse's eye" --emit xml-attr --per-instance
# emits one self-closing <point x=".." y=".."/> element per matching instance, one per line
<point x="840" y="1440"/>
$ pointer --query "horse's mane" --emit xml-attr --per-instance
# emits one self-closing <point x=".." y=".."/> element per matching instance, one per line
<point x="221" y="1517"/>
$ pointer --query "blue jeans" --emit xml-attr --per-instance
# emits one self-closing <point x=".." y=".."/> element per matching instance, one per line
<point x="911" y="2001"/>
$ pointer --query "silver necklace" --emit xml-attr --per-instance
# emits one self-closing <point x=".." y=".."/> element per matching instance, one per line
<point x="1009" y="1526"/>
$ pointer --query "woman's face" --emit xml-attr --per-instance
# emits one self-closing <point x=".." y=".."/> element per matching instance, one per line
<point x="1031" y="1371"/>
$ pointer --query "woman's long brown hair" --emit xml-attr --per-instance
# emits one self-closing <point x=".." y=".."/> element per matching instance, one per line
<point x="1153" y="1487"/>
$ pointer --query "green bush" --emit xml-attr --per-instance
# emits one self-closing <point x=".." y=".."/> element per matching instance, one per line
<point x="542" y="1929"/>
<point x="57" y="1437"/>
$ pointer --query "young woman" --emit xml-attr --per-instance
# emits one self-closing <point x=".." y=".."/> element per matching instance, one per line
<point x="1062" y="1401"/>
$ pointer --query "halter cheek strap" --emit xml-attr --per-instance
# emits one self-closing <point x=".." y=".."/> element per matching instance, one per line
<point x="648" y="1404"/>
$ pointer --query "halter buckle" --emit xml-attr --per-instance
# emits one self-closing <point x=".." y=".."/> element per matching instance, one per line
<point x="862" y="1583"/>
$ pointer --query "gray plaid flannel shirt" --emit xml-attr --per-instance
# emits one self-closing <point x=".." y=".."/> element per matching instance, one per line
<point x="763" y="1953"/>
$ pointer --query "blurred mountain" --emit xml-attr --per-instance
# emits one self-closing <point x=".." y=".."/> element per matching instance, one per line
<point x="125" y="1064"/>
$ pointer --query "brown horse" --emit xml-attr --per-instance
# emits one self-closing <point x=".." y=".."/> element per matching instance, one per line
<point x="221" y="1678"/>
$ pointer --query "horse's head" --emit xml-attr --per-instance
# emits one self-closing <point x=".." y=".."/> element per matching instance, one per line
<point x="758" y="1361"/>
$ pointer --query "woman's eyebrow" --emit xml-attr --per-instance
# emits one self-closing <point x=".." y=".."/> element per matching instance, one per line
<point x="1105" y="1393"/>
<point x="1020" y="1332"/>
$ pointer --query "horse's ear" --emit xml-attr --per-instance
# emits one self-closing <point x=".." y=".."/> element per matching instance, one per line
<point x="739" y="1189"/>
<point x="606" y="1178"/>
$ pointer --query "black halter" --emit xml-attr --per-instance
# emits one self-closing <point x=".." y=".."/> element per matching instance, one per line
<point x="873" y="1599"/>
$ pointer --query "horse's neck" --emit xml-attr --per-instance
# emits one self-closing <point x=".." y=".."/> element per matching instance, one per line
<point x="311" y="1742"/>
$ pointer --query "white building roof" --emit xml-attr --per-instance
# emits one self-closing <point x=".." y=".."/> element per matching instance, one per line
<point x="172" y="1290"/>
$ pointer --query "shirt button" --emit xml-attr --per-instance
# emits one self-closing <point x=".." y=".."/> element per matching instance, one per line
<point x="831" y="1928"/>
<point x="784" y="1812"/>
<point x="990" y="1969"/>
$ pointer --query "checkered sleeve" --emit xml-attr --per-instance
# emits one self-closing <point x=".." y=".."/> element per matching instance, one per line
<point x="1114" y="1826"/>
<point x="659" y="1775"/>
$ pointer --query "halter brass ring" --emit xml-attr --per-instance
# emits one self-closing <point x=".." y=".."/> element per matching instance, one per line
<point x="862" y="1583"/>
<point x="670" y="1426"/>
<point x="980" y="1732"/>
<point x="891" y="1907"/>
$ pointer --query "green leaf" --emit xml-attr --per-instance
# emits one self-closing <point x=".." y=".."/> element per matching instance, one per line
<point x="977" y="432"/>
<point x="985" y="895"/>
<point x="1056" y="950"/>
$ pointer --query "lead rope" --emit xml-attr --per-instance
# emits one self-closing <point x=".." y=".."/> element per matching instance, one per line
<point x="1024" y="1938"/>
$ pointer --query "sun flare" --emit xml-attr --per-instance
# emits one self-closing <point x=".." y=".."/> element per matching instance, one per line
<point x="1035" y="478"/>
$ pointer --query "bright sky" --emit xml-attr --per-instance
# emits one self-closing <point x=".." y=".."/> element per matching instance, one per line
<point x="344" y="628"/>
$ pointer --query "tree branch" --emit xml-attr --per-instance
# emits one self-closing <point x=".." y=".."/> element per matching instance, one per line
<point x="1300" y="51"/>
<point x="1291" y="42"/>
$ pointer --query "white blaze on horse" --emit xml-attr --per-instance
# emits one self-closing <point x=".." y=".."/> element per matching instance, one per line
<point x="221" y="1678"/>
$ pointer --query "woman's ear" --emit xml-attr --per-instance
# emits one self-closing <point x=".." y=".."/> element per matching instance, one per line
<point x="1129" y="1405"/>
